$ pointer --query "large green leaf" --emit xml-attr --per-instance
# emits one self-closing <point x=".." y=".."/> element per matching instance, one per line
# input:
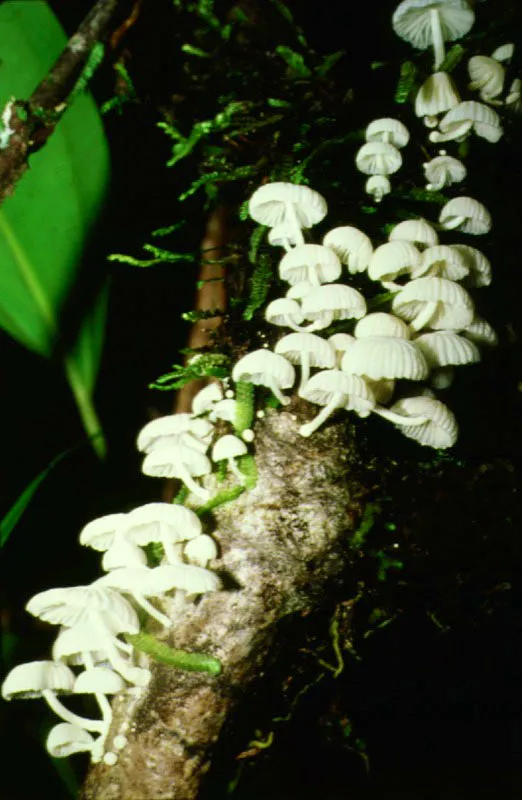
<point x="45" y="223"/>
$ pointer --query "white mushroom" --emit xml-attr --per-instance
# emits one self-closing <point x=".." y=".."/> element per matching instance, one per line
<point x="166" y="523"/>
<point x="388" y="130"/>
<point x="287" y="204"/>
<point x="466" y="116"/>
<point x="439" y="429"/>
<point x="107" y="534"/>
<point x="378" y="186"/>
<point x="228" y="448"/>
<point x="416" y="231"/>
<point x="442" y="261"/>
<point x="436" y="96"/>
<point x="443" y="171"/>
<point x="265" y="368"/>
<point x="201" y="550"/>
<point x="380" y="324"/>
<point x="333" y="389"/>
<point x="352" y="246"/>
<point x="378" y="158"/>
<point x="466" y="215"/>
<point x="178" y="461"/>
<point x="478" y="265"/>
<point x="312" y="263"/>
<point x="175" y="429"/>
<point x="331" y="302"/>
<point x="391" y="260"/>
<point x="434" y="302"/>
<point x="432" y="22"/>
<point x="446" y="348"/>
<point x="282" y="236"/>
<point x="308" y="350"/>
<point x="487" y="76"/>
<point x="206" y="398"/>
<point x="384" y="357"/>
<point x="340" y="342"/>
<point x="286" y="312"/>
<point x="100" y="682"/>
<point x="480" y="332"/>
<point x="65" y="739"/>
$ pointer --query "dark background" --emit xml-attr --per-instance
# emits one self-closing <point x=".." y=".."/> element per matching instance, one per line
<point x="438" y="711"/>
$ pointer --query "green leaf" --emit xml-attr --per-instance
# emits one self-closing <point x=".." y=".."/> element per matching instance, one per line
<point x="454" y="57"/>
<point x="294" y="60"/>
<point x="13" y="516"/>
<point x="406" y="81"/>
<point x="45" y="223"/>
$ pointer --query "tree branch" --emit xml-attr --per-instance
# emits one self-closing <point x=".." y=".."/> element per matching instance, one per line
<point x="280" y="544"/>
<point x="34" y="120"/>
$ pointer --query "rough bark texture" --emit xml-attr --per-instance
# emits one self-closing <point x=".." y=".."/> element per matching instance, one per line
<point x="280" y="544"/>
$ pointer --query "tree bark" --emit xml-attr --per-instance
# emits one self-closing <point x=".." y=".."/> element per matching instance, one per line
<point x="280" y="545"/>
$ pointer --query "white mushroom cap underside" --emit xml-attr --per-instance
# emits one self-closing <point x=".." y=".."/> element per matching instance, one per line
<point x="353" y="391"/>
<point x="260" y="365"/>
<point x="100" y="533"/>
<point x="378" y="158"/>
<point x="29" y="680"/>
<point x="278" y="311"/>
<point x="442" y="261"/>
<point x="480" y="332"/>
<point x="296" y="266"/>
<point x="72" y="606"/>
<point x="441" y="429"/>
<point x="388" y="129"/>
<point x="172" y="425"/>
<point x="485" y="121"/>
<point x="268" y="204"/>
<point x="65" y="739"/>
<point x="487" y="75"/>
<point x="343" y="301"/>
<point x="444" y="170"/>
<point x="295" y="345"/>
<point x="411" y="20"/>
<point x="173" y="460"/>
<point x="454" y="305"/>
<point x="381" y="357"/>
<point x="437" y="94"/>
<point x="477" y="219"/>
<point x="147" y="523"/>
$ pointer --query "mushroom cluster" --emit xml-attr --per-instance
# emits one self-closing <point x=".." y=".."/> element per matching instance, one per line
<point x="381" y="156"/>
<point x="426" y="333"/>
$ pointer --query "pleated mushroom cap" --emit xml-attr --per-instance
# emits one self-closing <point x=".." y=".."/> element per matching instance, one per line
<point x="101" y="533"/>
<point x="384" y="357"/>
<point x="445" y="348"/>
<point x="350" y="391"/>
<point x="65" y="739"/>
<point x="261" y="365"/>
<point x="380" y="324"/>
<point x="415" y="231"/>
<point x="175" y="461"/>
<point x="393" y="259"/>
<point x="487" y="75"/>
<point x="186" y="577"/>
<point x="295" y="345"/>
<point x="154" y="521"/>
<point x="352" y="246"/>
<point x="284" y="312"/>
<point x="31" y="679"/>
<point x="313" y="263"/>
<point x="443" y="171"/>
<point x="440" y="429"/>
<point x="175" y="427"/>
<point x="388" y="130"/>
<point x="478" y="265"/>
<point x="99" y="680"/>
<point x="378" y="186"/>
<point x="269" y="205"/>
<point x="341" y="302"/>
<point x="467" y="215"/>
<point x="378" y="158"/>
<point x="448" y="304"/>
<point x="437" y="95"/>
<point x="480" y="332"/>
<point x="442" y="261"/>
<point x="466" y="115"/>
<point x="80" y="604"/>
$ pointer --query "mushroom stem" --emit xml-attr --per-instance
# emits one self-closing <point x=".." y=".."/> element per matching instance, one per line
<point x="438" y="41"/>
<point x="168" y="546"/>
<point x="454" y="223"/>
<point x="310" y="427"/>
<point x="305" y="368"/>
<point x="194" y="487"/>
<point x="294" y="223"/>
<point x="105" y="708"/>
<point x="453" y="133"/>
<point x="424" y="316"/>
<point x="232" y="465"/>
<point x="277" y="392"/>
<point x="399" y="419"/>
<point x="68" y="716"/>
<point x="150" y="609"/>
<point x="313" y="276"/>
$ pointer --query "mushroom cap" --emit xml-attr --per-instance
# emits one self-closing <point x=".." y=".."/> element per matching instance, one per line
<point x="201" y="550"/>
<point x="484" y="120"/>
<point x="262" y="367"/>
<point x="205" y="399"/>
<point x="393" y="259"/>
<point x="352" y="246"/>
<point x="442" y="261"/>
<point x="477" y="218"/>
<point x="487" y="75"/>
<point x="186" y="427"/>
<point x="299" y="290"/>
<point x="443" y="171"/>
<point x="281" y="235"/>
<point x="268" y="204"/>
<point x="77" y="604"/>
<point x="186" y="577"/>
<point x="101" y="533"/>
<point x="437" y="94"/>
<point x="377" y="186"/>
<point x="416" y="231"/>
<point x="412" y="20"/>
<point x="228" y="446"/>
<point x="389" y="130"/>
<point x="440" y="430"/>
<point x="385" y="357"/>
<point x="123" y="554"/>
<point x="99" y="680"/>
<point x="153" y="522"/>
<point x="381" y="324"/>
<point x="72" y="643"/>
<point x="294" y="345"/>
<point x="504" y="52"/>
<point x="478" y="265"/>
<point x="174" y="460"/>
<point x="65" y="739"/>
<point x="132" y="580"/>
<point x="297" y="264"/>
<point x="343" y="302"/>
<point x="454" y="305"/>
<point x="480" y="332"/>
<point x="444" y="348"/>
<point x="280" y="310"/>
<point x="224" y="409"/>
<point x="378" y="158"/>
<point x="28" y="681"/>
<point x="353" y="392"/>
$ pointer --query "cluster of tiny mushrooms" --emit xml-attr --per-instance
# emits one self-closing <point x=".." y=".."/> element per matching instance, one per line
<point x="431" y="328"/>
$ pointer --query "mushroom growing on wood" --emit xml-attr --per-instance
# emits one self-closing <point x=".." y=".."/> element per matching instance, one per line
<point x="268" y="369"/>
<point x="287" y="204"/>
<point x="228" y="448"/>
<point x="311" y="263"/>
<point x="308" y="350"/>
<point x="334" y="389"/>
<point x="178" y="461"/>
<point x="434" y="303"/>
<point x="352" y="246"/>
<point x="165" y="523"/>
<point x="391" y="260"/>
